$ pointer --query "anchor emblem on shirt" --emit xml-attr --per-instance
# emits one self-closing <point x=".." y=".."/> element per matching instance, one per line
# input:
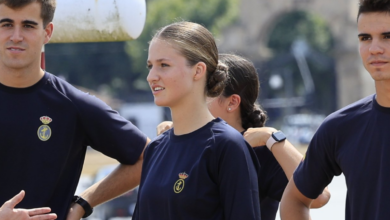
<point x="44" y="131"/>
<point x="179" y="184"/>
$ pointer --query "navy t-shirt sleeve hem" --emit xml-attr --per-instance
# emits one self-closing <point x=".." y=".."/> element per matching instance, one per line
<point x="300" y="186"/>
<point x="138" y="148"/>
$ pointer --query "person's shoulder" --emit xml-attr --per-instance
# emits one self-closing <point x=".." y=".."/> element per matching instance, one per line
<point x="58" y="81"/>
<point x="225" y="135"/>
<point x="352" y="111"/>
<point x="223" y="130"/>
<point x="158" y="142"/>
<point x="346" y="118"/>
<point x="62" y="86"/>
<point x="164" y="137"/>
<point x="76" y="96"/>
<point x="359" y="106"/>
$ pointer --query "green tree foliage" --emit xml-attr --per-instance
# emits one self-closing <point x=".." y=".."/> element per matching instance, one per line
<point x="213" y="14"/>
<point x="300" y="25"/>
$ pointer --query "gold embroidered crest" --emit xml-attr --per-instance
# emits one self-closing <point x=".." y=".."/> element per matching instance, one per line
<point x="179" y="184"/>
<point x="44" y="131"/>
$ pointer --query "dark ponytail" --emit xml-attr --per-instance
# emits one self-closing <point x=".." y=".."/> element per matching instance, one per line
<point x="244" y="81"/>
<point x="254" y="118"/>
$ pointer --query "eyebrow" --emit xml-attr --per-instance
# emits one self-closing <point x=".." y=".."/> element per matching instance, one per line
<point x="4" y="20"/>
<point x="367" y="35"/>
<point x="160" y="60"/>
<point x="30" y="22"/>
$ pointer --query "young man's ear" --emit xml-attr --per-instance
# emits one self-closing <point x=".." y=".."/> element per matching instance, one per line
<point x="234" y="102"/>
<point x="49" y="32"/>
<point x="200" y="70"/>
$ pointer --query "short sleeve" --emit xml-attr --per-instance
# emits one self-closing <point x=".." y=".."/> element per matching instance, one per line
<point x="108" y="132"/>
<point x="319" y="165"/>
<point x="237" y="178"/>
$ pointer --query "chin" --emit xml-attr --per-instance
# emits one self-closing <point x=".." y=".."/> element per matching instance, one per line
<point x="160" y="103"/>
<point x="380" y="75"/>
<point x="15" y="65"/>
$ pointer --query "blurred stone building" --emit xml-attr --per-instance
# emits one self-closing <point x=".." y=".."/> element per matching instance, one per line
<point x="249" y="34"/>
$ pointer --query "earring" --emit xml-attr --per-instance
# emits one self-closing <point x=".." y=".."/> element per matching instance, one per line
<point x="229" y="109"/>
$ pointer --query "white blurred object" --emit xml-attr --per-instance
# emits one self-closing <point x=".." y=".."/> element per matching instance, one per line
<point x="84" y="182"/>
<point x="300" y="128"/>
<point x="275" y="81"/>
<point x="146" y="116"/>
<point x="98" y="20"/>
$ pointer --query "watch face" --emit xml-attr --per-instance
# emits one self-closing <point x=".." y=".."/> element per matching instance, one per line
<point x="279" y="136"/>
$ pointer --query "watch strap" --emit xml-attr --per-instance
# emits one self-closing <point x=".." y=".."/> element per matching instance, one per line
<point x="83" y="203"/>
<point x="270" y="142"/>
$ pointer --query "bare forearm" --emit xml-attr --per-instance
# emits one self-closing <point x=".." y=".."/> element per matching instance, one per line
<point x="292" y="210"/>
<point x="123" y="179"/>
<point x="287" y="156"/>
<point x="294" y="205"/>
<point x="285" y="153"/>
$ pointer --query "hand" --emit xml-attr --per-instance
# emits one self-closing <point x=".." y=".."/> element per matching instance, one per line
<point x="8" y="211"/>
<point x="164" y="126"/>
<point x="76" y="212"/>
<point x="258" y="136"/>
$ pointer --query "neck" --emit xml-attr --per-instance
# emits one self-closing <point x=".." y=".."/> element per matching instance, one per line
<point x="234" y="120"/>
<point x="20" y="78"/>
<point x="383" y="93"/>
<point x="189" y="118"/>
<point x="238" y="127"/>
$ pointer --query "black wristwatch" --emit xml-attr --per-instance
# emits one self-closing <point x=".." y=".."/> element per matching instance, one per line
<point x="275" y="137"/>
<point x="86" y="206"/>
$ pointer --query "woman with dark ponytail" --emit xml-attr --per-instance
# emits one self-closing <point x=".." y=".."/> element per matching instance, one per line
<point x="237" y="105"/>
<point x="203" y="168"/>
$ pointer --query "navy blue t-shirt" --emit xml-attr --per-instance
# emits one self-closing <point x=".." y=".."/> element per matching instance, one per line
<point x="355" y="141"/>
<point x="210" y="173"/>
<point x="44" y="132"/>
<point x="272" y="182"/>
<point x="269" y="208"/>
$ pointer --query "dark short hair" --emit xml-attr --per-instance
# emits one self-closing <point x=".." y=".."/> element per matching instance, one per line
<point x="367" y="6"/>
<point x="48" y="7"/>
